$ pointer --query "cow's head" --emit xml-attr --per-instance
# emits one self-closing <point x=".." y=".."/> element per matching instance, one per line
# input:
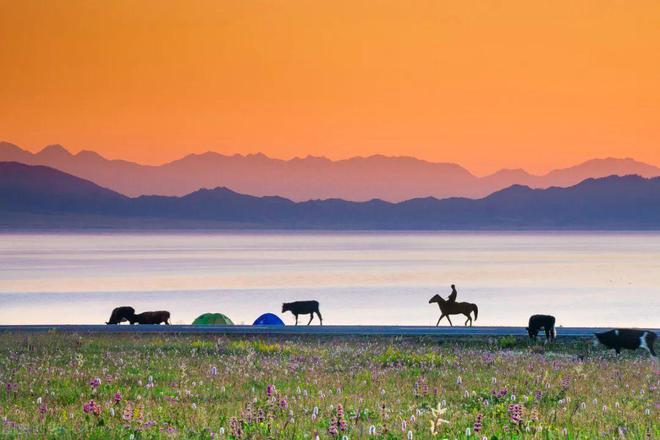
<point x="532" y="332"/>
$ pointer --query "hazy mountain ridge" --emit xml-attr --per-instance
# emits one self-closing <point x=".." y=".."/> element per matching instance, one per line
<point x="46" y="198"/>
<point x="357" y="179"/>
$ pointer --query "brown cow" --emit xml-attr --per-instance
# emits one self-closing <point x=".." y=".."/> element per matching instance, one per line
<point x="151" y="317"/>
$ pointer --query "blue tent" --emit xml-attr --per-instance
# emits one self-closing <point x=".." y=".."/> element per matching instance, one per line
<point x="268" y="319"/>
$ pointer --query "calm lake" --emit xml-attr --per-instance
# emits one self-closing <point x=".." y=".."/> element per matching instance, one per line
<point x="584" y="279"/>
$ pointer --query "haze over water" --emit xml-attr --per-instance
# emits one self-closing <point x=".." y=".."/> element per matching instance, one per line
<point x="584" y="279"/>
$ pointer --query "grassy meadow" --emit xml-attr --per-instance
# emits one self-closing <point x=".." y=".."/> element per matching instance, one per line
<point x="138" y="386"/>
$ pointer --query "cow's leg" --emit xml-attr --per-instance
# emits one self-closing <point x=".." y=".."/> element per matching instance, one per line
<point x="439" y="319"/>
<point x="167" y="321"/>
<point x="296" y="319"/>
<point x="643" y="343"/>
<point x="311" y="316"/>
<point x="450" y="323"/>
<point x="320" y="317"/>
<point x="617" y="349"/>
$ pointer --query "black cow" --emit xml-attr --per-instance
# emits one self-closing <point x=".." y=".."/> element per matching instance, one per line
<point x="628" y="338"/>
<point x="303" y="308"/>
<point x="121" y="314"/>
<point x="151" y="318"/>
<point x="545" y="322"/>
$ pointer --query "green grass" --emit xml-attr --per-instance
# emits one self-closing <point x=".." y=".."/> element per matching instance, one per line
<point x="201" y="387"/>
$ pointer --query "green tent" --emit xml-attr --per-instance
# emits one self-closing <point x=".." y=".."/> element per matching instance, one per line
<point x="213" y="319"/>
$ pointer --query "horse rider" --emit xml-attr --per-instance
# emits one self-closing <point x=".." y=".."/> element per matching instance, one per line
<point x="452" y="295"/>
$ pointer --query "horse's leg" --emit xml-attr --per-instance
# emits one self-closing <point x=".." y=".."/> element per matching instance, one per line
<point x="469" y="319"/>
<point x="311" y="316"/>
<point x="449" y="321"/>
<point x="439" y="319"/>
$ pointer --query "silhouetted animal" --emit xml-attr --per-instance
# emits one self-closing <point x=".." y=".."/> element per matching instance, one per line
<point x="630" y="339"/>
<point x="454" y="308"/>
<point x="121" y="314"/>
<point x="151" y="318"/>
<point x="303" y="308"/>
<point x="545" y="322"/>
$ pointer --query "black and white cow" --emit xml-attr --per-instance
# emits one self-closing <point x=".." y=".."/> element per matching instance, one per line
<point x="545" y="322"/>
<point x="630" y="339"/>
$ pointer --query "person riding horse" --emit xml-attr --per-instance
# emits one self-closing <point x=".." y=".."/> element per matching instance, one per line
<point x="452" y="296"/>
<point x="451" y="307"/>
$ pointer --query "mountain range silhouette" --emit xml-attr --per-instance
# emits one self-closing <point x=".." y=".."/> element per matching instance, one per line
<point x="392" y="179"/>
<point x="43" y="197"/>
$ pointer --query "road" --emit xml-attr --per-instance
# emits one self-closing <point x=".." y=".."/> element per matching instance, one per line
<point x="325" y="330"/>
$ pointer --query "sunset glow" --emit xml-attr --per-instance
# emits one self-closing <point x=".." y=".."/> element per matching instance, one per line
<point x="536" y="85"/>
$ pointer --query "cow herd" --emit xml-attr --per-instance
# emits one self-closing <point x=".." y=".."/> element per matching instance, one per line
<point x="613" y="339"/>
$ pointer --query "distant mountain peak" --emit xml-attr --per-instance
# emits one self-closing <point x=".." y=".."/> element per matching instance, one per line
<point x="54" y="150"/>
<point x="360" y="178"/>
<point x="8" y="146"/>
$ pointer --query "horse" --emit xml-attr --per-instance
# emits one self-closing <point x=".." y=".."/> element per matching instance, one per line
<point x="454" y="308"/>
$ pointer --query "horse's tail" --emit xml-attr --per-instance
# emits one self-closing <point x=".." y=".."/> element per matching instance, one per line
<point x="476" y="311"/>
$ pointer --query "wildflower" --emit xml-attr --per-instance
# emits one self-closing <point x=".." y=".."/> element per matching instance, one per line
<point x="112" y="412"/>
<point x="127" y="414"/>
<point x="468" y="432"/>
<point x="477" y="424"/>
<point x="194" y="406"/>
<point x="92" y="407"/>
<point x="404" y="425"/>
<point x="95" y="383"/>
<point x="513" y="397"/>
<point x="410" y="435"/>
<point x="332" y="429"/>
<point x="372" y="430"/>
<point x="117" y="397"/>
<point x="270" y="390"/>
<point x="459" y="380"/>
<point x="38" y="400"/>
<point x="437" y="413"/>
<point x="214" y="371"/>
<point x="283" y="404"/>
<point x="515" y="413"/>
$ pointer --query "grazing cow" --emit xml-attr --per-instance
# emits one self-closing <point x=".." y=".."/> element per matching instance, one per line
<point x="151" y="318"/>
<point x="303" y="308"/>
<point x="121" y="314"/>
<point x="630" y="339"/>
<point x="545" y="322"/>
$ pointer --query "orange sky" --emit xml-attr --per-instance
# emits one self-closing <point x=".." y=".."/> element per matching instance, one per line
<point x="487" y="84"/>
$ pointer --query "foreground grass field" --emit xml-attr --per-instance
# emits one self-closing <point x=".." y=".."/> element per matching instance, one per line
<point x="154" y="386"/>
